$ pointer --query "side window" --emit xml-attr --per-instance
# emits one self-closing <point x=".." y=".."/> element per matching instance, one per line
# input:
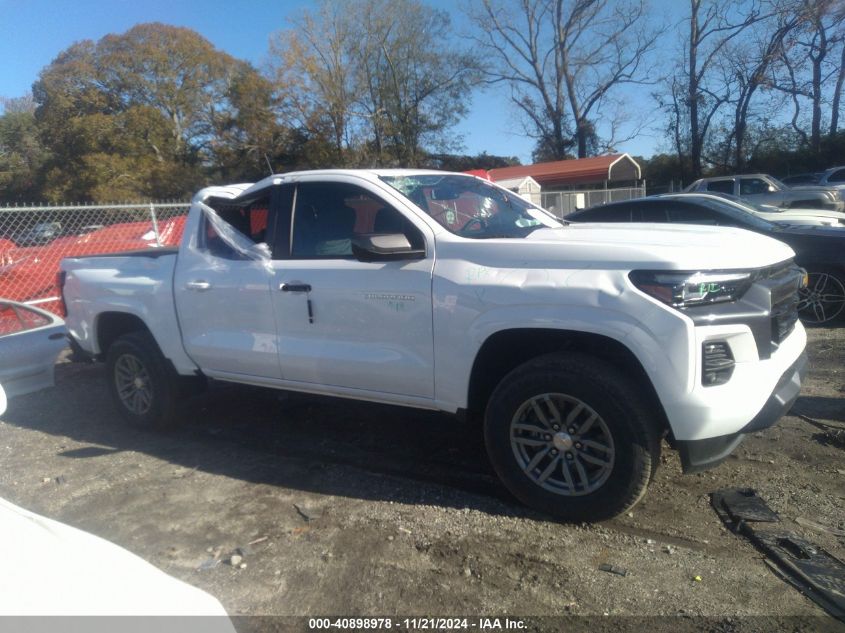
<point x="837" y="176"/>
<point x="752" y="186"/>
<point x="329" y="215"/>
<point x="15" y="319"/>
<point x="251" y="220"/>
<point x="721" y="186"/>
<point x="616" y="213"/>
<point x="689" y="214"/>
<point x="650" y="213"/>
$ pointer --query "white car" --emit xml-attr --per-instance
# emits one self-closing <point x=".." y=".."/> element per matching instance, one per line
<point x="580" y="345"/>
<point x="53" y="569"/>
<point x="30" y="341"/>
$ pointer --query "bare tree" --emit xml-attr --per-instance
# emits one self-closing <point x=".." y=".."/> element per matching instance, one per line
<point x="313" y="67"/>
<point x="837" y="91"/>
<point x="748" y="63"/>
<point x="806" y="69"/>
<point x="699" y="91"/>
<point x="564" y="62"/>
<point x="417" y="79"/>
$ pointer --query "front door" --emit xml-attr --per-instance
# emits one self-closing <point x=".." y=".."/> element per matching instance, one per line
<point x="343" y="322"/>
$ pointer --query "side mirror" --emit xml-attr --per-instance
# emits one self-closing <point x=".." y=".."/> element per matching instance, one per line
<point x="378" y="247"/>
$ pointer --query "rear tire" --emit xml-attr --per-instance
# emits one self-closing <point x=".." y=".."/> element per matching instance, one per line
<point x="570" y="436"/>
<point x="143" y="386"/>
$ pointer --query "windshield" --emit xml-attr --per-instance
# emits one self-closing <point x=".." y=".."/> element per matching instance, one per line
<point x="777" y="183"/>
<point x="471" y="207"/>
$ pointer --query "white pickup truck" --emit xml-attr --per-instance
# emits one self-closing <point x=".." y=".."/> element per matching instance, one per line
<point x="579" y="346"/>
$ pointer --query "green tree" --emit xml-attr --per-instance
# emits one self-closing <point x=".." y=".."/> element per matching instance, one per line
<point x="146" y="113"/>
<point x="564" y="62"/>
<point x="21" y="151"/>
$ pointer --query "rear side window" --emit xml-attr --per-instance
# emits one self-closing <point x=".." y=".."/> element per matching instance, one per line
<point x="721" y="186"/>
<point x="328" y="216"/>
<point x="251" y="220"/>
<point x="838" y="176"/>
<point x="615" y="213"/>
<point x="690" y="214"/>
<point x="650" y="213"/>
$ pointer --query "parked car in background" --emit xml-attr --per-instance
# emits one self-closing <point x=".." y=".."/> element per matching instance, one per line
<point x="41" y="233"/>
<point x="820" y="250"/>
<point x="801" y="179"/>
<point x="761" y="188"/>
<point x="30" y="342"/>
<point x="833" y="178"/>
<point x="793" y="216"/>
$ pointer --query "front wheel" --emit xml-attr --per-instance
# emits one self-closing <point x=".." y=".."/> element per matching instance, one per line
<point x="570" y="436"/>
<point x="823" y="300"/>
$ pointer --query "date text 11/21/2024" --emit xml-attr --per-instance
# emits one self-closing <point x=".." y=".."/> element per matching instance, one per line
<point x="417" y="624"/>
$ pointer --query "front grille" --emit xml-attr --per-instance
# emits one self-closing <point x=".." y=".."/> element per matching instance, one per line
<point x="786" y="280"/>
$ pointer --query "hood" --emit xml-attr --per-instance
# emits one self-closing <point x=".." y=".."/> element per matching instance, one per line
<point x="836" y="233"/>
<point x="804" y="190"/>
<point x="637" y="245"/>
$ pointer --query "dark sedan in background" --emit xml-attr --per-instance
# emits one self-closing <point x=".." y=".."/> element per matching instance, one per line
<point x="820" y="250"/>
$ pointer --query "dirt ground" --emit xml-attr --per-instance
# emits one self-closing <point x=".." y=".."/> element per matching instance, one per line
<point x="347" y="508"/>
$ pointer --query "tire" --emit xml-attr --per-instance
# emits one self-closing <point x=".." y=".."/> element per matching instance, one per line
<point x="144" y="388"/>
<point x="823" y="300"/>
<point x="598" y="471"/>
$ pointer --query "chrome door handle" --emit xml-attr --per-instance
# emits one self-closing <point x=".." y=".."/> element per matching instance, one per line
<point x="295" y="287"/>
<point x="199" y="286"/>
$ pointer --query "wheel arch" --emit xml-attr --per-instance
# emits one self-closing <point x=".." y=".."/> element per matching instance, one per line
<point x="505" y="350"/>
<point x="112" y="325"/>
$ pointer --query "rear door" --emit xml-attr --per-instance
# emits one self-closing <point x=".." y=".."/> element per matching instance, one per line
<point x="223" y="297"/>
<point x="30" y="341"/>
<point x="347" y="323"/>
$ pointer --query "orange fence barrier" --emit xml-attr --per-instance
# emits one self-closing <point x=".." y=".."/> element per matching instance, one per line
<point x="33" y="241"/>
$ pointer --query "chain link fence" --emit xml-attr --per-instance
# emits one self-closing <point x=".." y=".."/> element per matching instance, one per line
<point x="562" y="203"/>
<point x="34" y="239"/>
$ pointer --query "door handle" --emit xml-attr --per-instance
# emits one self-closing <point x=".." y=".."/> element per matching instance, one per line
<point x="295" y="287"/>
<point x="199" y="286"/>
<point x="56" y="336"/>
<point x="298" y="287"/>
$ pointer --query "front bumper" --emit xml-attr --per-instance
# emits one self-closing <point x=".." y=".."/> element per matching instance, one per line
<point x="698" y="455"/>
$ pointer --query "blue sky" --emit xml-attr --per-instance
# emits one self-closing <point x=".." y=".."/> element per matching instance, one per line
<point x="33" y="32"/>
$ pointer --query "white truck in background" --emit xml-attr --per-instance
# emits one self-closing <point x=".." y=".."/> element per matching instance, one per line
<point x="579" y="346"/>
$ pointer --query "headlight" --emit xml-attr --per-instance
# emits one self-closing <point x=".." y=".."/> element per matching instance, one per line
<point x="685" y="289"/>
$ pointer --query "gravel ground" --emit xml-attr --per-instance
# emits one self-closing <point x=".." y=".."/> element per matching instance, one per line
<point x="354" y="509"/>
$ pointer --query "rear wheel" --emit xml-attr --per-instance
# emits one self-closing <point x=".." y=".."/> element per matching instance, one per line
<point x="145" y="389"/>
<point x="571" y="437"/>
<point x="823" y="300"/>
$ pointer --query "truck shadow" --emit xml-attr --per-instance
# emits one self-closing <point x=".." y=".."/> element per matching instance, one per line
<point x="819" y="407"/>
<point x="290" y="440"/>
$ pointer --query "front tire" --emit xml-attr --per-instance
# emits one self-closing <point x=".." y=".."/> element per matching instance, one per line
<point x="143" y="386"/>
<point x="823" y="300"/>
<point x="570" y="436"/>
